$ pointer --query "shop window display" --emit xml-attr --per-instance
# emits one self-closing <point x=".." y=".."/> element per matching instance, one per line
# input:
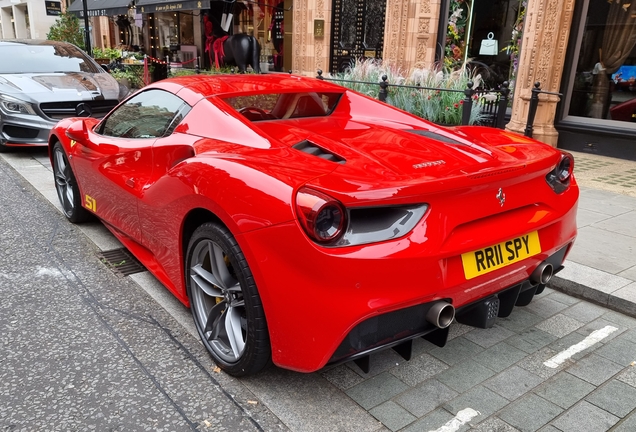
<point x="604" y="86"/>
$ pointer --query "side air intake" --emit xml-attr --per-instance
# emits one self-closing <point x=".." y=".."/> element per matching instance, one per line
<point x="308" y="147"/>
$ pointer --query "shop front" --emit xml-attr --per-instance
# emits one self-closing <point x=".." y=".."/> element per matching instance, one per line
<point x="598" y="111"/>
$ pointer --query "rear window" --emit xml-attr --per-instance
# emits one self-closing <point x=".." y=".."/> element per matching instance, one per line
<point x="281" y="106"/>
<point x="44" y="59"/>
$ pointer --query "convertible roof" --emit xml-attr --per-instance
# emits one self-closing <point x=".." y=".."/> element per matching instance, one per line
<point x="216" y="85"/>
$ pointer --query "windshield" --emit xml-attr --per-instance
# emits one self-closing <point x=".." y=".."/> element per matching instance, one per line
<point x="282" y="106"/>
<point x="44" y="58"/>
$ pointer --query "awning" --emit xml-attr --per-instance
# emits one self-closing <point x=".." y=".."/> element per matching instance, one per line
<point x="100" y="7"/>
<point x="151" y="6"/>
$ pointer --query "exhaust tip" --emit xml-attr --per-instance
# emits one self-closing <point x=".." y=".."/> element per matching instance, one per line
<point x="542" y="274"/>
<point x="441" y="314"/>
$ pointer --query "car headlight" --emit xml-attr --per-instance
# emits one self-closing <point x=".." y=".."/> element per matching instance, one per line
<point x="327" y="222"/>
<point x="559" y="178"/>
<point x="11" y="105"/>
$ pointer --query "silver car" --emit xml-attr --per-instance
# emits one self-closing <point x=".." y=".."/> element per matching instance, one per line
<point x="42" y="82"/>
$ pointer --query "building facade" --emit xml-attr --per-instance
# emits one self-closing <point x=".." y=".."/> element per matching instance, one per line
<point x="28" y="19"/>
<point x="582" y="52"/>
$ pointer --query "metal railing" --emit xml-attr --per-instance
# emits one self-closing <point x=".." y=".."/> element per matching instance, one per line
<point x="532" y="109"/>
<point x="494" y="111"/>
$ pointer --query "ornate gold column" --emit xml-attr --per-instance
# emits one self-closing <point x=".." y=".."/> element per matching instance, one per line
<point x="544" y="43"/>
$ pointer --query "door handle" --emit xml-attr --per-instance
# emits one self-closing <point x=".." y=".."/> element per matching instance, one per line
<point x="130" y="182"/>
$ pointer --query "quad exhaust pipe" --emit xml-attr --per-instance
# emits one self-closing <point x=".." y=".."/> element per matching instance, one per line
<point x="441" y="314"/>
<point x="542" y="274"/>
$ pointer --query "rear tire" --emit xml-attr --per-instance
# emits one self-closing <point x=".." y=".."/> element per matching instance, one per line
<point x="225" y="303"/>
<point x="66" y="186"/>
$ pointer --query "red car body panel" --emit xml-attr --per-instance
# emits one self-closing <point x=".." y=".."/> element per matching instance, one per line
<point x="247" y="175"/>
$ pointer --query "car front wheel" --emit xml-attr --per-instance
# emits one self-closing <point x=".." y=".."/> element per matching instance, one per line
<point x="225" y="303"/>
<point x="66" y="186"/>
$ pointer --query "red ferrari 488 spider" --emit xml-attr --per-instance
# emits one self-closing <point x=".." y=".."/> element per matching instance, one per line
<point x="305" y="224"/>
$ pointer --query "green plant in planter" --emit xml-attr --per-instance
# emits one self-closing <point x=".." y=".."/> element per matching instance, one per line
<point x="109" y="53"/>
<point x="442" y="105"/>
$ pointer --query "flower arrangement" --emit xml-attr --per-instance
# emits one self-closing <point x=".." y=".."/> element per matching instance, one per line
<point x="456" y="33"/>
<point x="439" y="104"/>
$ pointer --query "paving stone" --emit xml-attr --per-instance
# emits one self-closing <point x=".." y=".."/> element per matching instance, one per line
<point x="545" y="307"/>
<point x="628" y="375"/>
<point x="530" y="413"/>
<point x="628" y="424"/>
<point x="494" y="424"/>
<point x="488" y="337"/>
<point x="342" y="377"/>
<point x="624" y="224"/>
<point x="456" y="330"/>
<point x="425" y="397"/>
<point x="594" y="369"/>
<point x="421" y="346"/>
<point x="481" y="399"/>
<point x="598" y="324"/>
<point x="392" y="415"/>
<point x="619" y="350"/>
<point x="602" y="249"/>
<point x="629" y="335"/>
<point x="419" y="369"/>
<point x="585" y="311"/>
<point x="456" y="351"/>
<point x="564" y="298"/>
<point x="465" y="375"/>
<point x="615" y="397"/>
<point x="586" y="217"/>
<point x="549" y="428"/>
<point x="621" y="319"/>
<point x="432" y="422"/>
<point x="499" y="357"/>
<point x="564" y="390"/>
<point x="531" y="340"/>
<point x="559" y="325"/>
<point x="585" y="417"/>
<point x="513" y="382"/>
<point x="374" y="391"/>
<point x="624" y="300"/>
<point x="519" y="320"/>
<point x="534" y="363"/>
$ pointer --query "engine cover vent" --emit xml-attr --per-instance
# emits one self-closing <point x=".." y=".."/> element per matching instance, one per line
<point x="435" y="136"/>
<point x="308" y="147"/>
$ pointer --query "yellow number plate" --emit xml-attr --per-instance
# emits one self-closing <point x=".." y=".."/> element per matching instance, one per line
<point x="500" y="255"/>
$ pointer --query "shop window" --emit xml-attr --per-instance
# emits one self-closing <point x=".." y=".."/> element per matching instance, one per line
<point x="604" y="85"/>
<point x="486" y="36"/>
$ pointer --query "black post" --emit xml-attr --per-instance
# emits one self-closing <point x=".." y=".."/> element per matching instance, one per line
<point x="319" y="76"/>
<point x="532" y="111"/>
<point x="87" y="31"/>
<point x="383" y="89"/>
<point x="467" y="107"/>
<point x="198" y="67"/>
<point x="504" y="92"/>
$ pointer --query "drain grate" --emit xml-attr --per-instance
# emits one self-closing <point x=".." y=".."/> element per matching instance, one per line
<point x="121" y="262"/>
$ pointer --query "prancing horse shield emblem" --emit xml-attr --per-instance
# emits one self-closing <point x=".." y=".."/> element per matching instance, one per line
<point x="501" y="196"/>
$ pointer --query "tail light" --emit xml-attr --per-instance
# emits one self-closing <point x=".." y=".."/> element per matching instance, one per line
<point x="559" y="178"/>
<point x="322" y="217"/>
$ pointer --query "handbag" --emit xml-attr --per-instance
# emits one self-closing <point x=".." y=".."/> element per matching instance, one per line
<point x="489" y="46"/>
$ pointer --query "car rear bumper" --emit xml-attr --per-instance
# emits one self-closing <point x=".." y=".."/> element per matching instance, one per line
<point x="316" y="298"/>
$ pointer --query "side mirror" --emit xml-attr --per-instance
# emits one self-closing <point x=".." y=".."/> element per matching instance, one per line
<point x="77" y="131"/>
<point x="105" y="67"/>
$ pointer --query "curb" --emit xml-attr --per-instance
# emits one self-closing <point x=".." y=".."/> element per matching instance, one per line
<point x="602" y="288"/>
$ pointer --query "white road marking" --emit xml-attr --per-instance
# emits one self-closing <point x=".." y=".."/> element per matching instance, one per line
<point x="592" y="339"/>
<point x="462" y="417"/>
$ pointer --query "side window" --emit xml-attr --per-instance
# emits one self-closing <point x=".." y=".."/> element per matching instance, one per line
<point x="149" y="114"/>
